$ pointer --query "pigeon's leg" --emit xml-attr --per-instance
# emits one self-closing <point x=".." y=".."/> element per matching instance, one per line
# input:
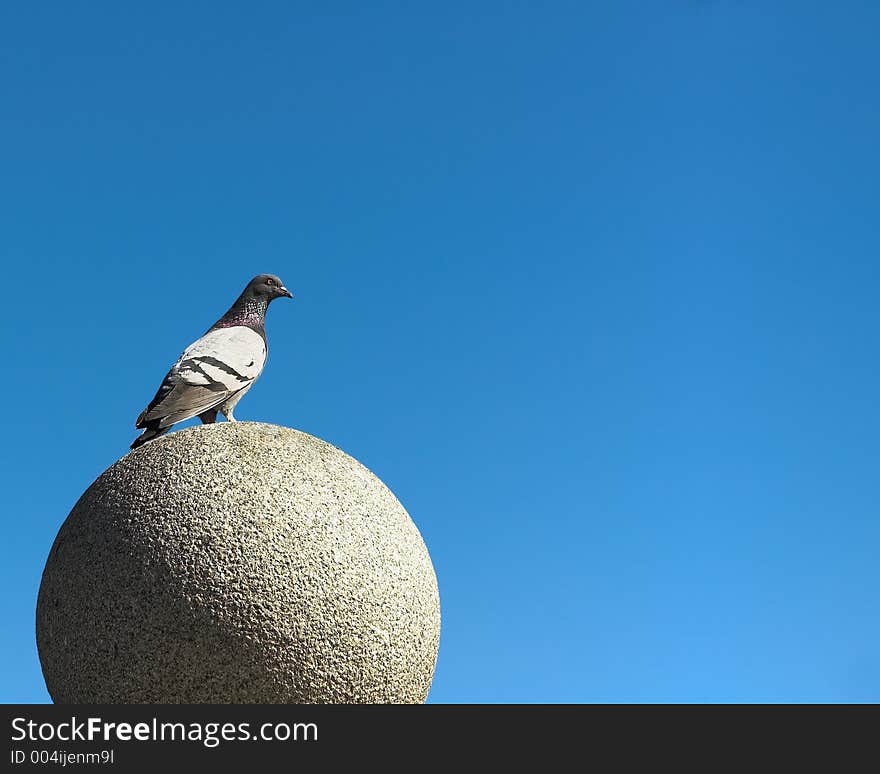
<point x="228" y="406"/>
<point x="208" y="417"/>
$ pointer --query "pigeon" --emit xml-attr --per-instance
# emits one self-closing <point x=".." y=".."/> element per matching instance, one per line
<point x="215" y="371"/>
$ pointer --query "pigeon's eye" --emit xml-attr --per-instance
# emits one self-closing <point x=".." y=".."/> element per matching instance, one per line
<point x="270" y="281"/>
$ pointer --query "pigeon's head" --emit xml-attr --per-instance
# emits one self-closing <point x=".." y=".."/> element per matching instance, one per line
<point x="268" y="287"/>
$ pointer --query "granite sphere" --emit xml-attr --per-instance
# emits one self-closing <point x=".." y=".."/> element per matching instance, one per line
<point x="238" y="563"/>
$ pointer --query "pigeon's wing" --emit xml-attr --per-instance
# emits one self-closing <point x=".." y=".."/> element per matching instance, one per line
<point x="221" y="363"/>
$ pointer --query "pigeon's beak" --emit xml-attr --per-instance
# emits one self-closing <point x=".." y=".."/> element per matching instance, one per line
<point x="285" y="292"/>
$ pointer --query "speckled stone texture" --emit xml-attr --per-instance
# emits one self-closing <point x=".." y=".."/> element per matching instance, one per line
<point x="238" y="563"/>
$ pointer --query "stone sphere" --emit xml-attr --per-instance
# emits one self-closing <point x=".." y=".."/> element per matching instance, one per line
<point x="238" y="563"/>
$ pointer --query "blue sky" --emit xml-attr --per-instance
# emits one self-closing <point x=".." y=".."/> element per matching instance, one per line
<point x="593" y="287"/>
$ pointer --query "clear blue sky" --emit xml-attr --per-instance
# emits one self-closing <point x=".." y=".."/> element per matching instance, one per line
<point x="593" y="287"/>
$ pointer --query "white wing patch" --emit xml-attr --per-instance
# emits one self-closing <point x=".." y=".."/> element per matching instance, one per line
<point x="221" y="364"/>
<point x="240" y="349"/>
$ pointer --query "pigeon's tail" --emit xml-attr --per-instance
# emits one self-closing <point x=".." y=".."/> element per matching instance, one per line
<point x="151" y="432"/>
